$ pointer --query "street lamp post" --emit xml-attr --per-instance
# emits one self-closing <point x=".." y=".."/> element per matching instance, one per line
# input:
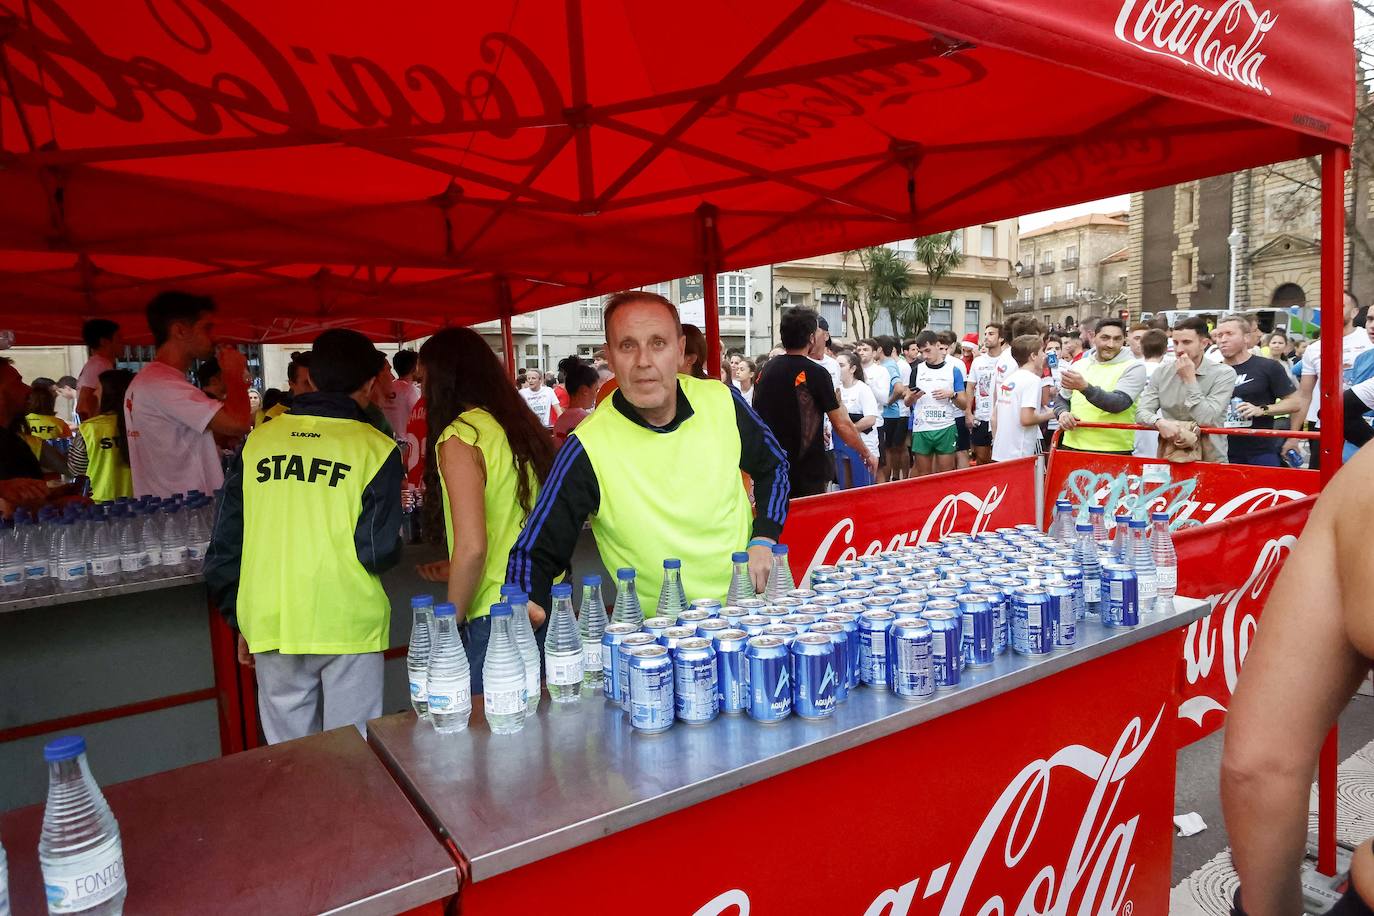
<point x="1234" y="240"/>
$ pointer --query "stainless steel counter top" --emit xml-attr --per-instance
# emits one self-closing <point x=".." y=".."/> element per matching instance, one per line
<point x="95" y="594"/>
<point x="578" y="772"/>
<point x="310" y="826"/>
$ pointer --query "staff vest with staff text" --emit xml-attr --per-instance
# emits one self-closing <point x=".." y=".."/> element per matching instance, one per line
<point x="1104" y="376"/>
<point x="302" y="589"/>
<point x="670" y="494"/>
<point x="106" y="465"/>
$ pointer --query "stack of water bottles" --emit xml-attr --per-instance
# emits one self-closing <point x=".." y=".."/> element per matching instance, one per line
<point x="82" y="547"/>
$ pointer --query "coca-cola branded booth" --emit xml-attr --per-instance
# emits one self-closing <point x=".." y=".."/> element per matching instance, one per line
<point x="398" y="170"/>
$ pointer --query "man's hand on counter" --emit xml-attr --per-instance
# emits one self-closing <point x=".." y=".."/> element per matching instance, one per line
<point x="760" y="562"/>
<point x="433" y="572"/>
<point x="245" y="657"/>
<point x="537" y="614"/>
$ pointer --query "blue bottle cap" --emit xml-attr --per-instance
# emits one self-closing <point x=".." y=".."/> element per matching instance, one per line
<point x="445" y="609"/>
<point x="421" y="600"/>
<point x="517" y="597"/>
<point x="500" y="609"/>
<point x="68" y="747"/>
<point x="624" y="574"/>
<point x="779" y="550"/>
<point x="672" y="564"/>
<point x="1138" y="523"/>
<point x="1083" y="526"/>
<point x="562" y="590"/>
<point x="509" y="589"/>
<point x="1063" y="504"/>
<point x="739" y="556"/>
<point x="1159" y="516"/>
<point x="1098" y="510"/>
<point x="593" y="580"/>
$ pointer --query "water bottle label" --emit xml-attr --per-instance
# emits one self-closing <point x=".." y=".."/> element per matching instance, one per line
<point x="449" y="695"/>
<point x="151" y="558"/>
<point x="71" y="572"/>
<point x="417" y="687"/>
<point x="591" y="656"/>
<point x="11" y="576"/>
<point x="564" y="670"/>
<point x="174" y="556"/>
<point x="503" y="702"/>
<point x="36" y="571"/>
<point x="1166" y="577"/>
<point x="84" y="882"/>
<point x="195" y="552"/>
<point x="130" y="563"/>
<point x="104" y="566"/>
<point x="1092" y="589"/>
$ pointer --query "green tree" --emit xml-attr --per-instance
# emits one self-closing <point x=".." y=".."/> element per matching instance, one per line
<point x="937" y="254"/>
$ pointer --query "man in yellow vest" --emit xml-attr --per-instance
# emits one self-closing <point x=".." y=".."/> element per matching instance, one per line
<point x="1102" y="387"/>
<point x="657" y="469"/>
<point x="309" y="519"/>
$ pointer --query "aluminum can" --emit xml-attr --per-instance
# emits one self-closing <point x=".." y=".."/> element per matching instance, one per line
<point x="842" y="578"/>
<point x="751" y="605"/>
<point x="886" y="580"/>
<point x="732" y="671"/>
<point x="627" y="645"/>
<point x="706" y="604"/>
<point x="781" y="631"/>
<point x="814" y="676"/>
<point x="770" y="679"/>
<point x="650" y="687"/>
<point x="828" y="588"/>
<point x="913" y="672"/>
<point x="1032" y="627"/>
<point x="978" y="620"/>
<point x="839" y="645"/>
<point x="853" y="594"/>
<point x="873" y="627"/>
<point x="670" y="637"/>
<point x="791" y="604"/>
<point x="1122" y="596"/>
<point x="693" y="616"/>
<point x="711" y="625"/>
<point x="774" y="613"/>
<point x="1064" y="612"/>
<point x="731" y="614"/>
<point x="945" y="644"/>
<point x="656" y="625"/>
<point x="822" y="573"/>
<point x="799" y="622"/>
<point x="850" y="623"/>
<point x="610" y="659"/>
<point x="878" y="602"/>
<point x="941" y="592"/>
<point x="908" y="608"/>
<point x="826" y="603"/>
<point x="1001" y="614"/>
<point x="1074" y="576"/>
<point x="850" y="565"/>
<point x="695" y="693"/>
<point x="753" y="624"/>
<point x="801" y="594"/>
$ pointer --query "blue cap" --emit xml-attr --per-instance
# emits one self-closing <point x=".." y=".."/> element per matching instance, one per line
<point x="672" y="564"/>
<point x="1063" y="504"/>
<point x="1159" y="516"/>
<point x="1083" y="526"/>
<point x="739" y="556"/>
<point x="562" y="590"/>
<point x="516" y="597"/>
<point x="500" y="609"/>
<point x="445" y="609"/>
<point x="624" y="574"/>
<point x="1138" y="523"/>
<point x="592" y="580"/>
<point x="421" y="601"/>
<point x="779" y="550"/>
<point x="69" y="747"/>
<point x="1098" y="510"/>
<point x="509" y="589"/>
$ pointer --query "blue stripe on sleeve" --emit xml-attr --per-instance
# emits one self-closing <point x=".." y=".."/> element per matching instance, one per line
<point x="518" y="569"/>
<point x="781" y="476"/>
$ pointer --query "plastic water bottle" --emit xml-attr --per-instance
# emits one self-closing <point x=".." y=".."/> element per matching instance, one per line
<point x="72" y="569"/>
<point x="523" y="631"/>
<point x="174" y="552"/>
<point x="627" y="608"/>
<point x="741" y="585"/>
<point x="11" y="567"/>
<point x="1098" y="516"/>
<point x="503" y="676"/>
<point x="33" y="545"/>
<point x="1121" y="538"/>
<point x="671" y="598"/>
<point x="150" y="533"/>
<point x="79" y="849"/>
<point x="197" y="535"/>
<point x="448" y="682"/>
<point x="1086" y="547"/>
<point x="127" y="535"/>
<point x="4" y="883"/>
<point x="563" y="648"/>
<point x="417" y="656"/>
<point x="1166" y="561"/>
<point x="104" y="553"/>
<point x="1142" y="559"/>
<point x="780" y="576"/>
<point x="1061" y="529"/>
<point x="591" y="626"/>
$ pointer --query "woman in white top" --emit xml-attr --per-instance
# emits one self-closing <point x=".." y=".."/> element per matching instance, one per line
<point x="745" y="371"/>
<point x="862" y="406"/>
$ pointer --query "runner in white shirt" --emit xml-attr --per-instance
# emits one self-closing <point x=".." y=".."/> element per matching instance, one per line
<point x="104" y="345"/>
<point x="1354" y="342"/>
<point x="988" y="371"/>
<point x="858" y="401"/>
<point x="875" y="373"/>
<point x="172" y="424"/>
<point x="401" y="400"/>
<point x="1017" y="415"/>
<point x="937" y="391"/>
<point x="540" y="398"/>
<point x="1154" y="345"/>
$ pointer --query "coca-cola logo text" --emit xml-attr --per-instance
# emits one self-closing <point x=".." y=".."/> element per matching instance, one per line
<point x="1134" y="494"/>
<point x="1222" y="39"/>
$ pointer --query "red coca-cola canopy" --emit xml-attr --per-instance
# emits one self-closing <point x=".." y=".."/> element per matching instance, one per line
<point x="400" y="167"/>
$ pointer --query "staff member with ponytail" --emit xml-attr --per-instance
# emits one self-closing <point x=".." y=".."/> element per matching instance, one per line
<point x="100" y="449"/>
<point x="492" y="455"/>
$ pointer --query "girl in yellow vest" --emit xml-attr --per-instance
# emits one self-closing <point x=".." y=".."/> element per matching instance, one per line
<point x="42" y="418"/>
<point x="100" y="451"/>
<point x="492" y="455"/>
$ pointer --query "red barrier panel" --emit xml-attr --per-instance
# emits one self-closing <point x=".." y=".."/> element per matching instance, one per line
<point x="824" y="529"/>
<point x="1235" y="563"/>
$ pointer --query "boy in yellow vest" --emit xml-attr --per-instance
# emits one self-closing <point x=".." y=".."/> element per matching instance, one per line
<point x="1102" y="387"/>
<point x="309" y="519"/>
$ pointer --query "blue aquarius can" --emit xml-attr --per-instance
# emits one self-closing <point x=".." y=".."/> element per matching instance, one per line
<point x="751" y="605"/>
<point x="941" y="592"/>
<point x="913" y="669"/>
<point x="610" y="659"/>
<point x="945" y="642"/>
<point x="827" y="588"/>
<point x="873" y="627"/>
<point x="770" y="679"/>
<point x="732" y="671"/>
<point x="1123" y="595"/>
<point x="693" y="616"/>
<point x="822" y="574"/>
<point x="628" y="645"/>
<point x="650" y="687"/>
<point x="1074" y="576"/>
<point x="801" y="594"/>
<point x="670" y="637"/>
<point x="979" y="623"/>
<point x="706" y="604"/>
<point x="1001" y="613"/>
<point x="814" y="676"/>
<point x="1064" y="612"/>
<point x="753" y="624"/>
<point x="788" y="604"/>
<point x="1032" y="626"/>
<point x="656" y="625"/>
<point x="850" y="565"/>
<point x="711" y="625"/>
<point x="694" y="681"/>
<point x="850" y="623"/>
<point x="826" y="603"/>
<point x="732" y="614"/>
<point x="839" y="644"/>
<point x="774" y="613"/>
<point x="781" y="631"/>
<point x="799" y="622"/>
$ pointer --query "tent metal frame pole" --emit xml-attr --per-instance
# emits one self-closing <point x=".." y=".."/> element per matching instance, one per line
<point x="1334" y="164"/>
<point x="507" y="338"/>
<point x="710" y="246"/>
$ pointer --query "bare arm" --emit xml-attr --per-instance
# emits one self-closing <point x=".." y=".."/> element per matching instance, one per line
<point x="465" y="477"/>
<point x="1300" y="672"/>
<point x="235" y="418"/>
<point x="87" y="404"/>
<point x="1307" y="385"/>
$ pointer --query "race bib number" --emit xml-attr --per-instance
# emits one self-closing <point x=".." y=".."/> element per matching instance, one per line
<point x="935" y="414"/>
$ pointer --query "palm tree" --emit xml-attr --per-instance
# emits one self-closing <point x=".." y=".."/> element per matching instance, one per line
<point x="886" y="281"/>
<point x="939" y="257"/>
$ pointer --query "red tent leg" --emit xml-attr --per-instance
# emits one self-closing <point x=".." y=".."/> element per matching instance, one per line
<point x="710" y="256"/>
<point x="508" y="345"/>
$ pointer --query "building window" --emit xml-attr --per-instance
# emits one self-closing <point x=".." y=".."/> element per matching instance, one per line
<point x="972" y="310"/>
<point x="1047" y="258"/>
<point x="1027" y="295"/>
<point x="956" y="241"/>
<point x="732" y="290"/>
<point x="587" y="352"/>
<point x="1070" y="288"/>
<point x="941" y="316"/>
<point x="833" y="311"/>
<point x="589" y="314"/>
<point x="1046" y="293"/>
<point x="532" y="360"/>
<point x="1071" y="253"/>
<point x="988" y="242"/>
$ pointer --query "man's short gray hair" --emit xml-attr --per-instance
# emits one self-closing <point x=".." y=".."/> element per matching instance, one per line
<point x="1245" y="321"/>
